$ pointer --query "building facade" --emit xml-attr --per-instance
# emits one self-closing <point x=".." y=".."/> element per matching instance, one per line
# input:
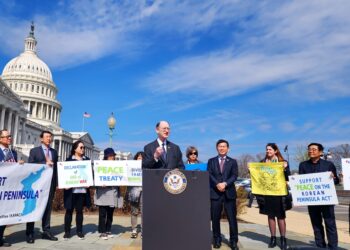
<point x="28" y="105"/>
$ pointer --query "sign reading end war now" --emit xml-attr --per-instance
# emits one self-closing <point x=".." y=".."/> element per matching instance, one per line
<point x="118" y="173"/>
<point x="313" y="189"/>
<point x="74" y="174"/>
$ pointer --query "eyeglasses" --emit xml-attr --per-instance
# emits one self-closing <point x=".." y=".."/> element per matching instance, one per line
<point x="313" y="149"/>
<point x="6" y="136"/>
<point x="193" y="153"/>
<point x="165" y="129"/>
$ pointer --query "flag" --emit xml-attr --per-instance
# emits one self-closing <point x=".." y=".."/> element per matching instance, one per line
<point x="86" y="115"/>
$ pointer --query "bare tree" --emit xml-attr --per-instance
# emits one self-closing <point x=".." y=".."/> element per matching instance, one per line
<point x="337" y="153"/>
<point x="243" y="161"/>
<point x="301" y="154"/>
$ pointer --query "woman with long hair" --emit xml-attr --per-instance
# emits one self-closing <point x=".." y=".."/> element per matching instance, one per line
<point x="76" y="198"/>
<point x="273" y="206"/>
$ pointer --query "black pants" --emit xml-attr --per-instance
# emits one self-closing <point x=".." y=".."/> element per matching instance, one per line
<point x="231" y="212"/>
<point x="326" y="212"/>
<point x="78" y="205"/>
<point x="2" y="230"/>
<point x="105" y="218"/>
<point x="46" y="220"/>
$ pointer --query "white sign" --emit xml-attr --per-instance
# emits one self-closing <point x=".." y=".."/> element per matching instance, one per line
<point x="345" y="163"/>
<point x="118" y="173"/>
<point x="74" y="174"/>
<point x="313" y="189"/>
<point x="24" y="190"/>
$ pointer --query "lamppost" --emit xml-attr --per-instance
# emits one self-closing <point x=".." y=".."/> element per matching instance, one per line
<point x="111" y="125"/>
<point x="328" y="155"/>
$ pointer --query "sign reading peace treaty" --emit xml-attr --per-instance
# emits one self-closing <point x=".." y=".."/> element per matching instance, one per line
<point x="118" y="173"/>
<point x="268" y="178"/>
<point x="74" y="174"/>
<point x="345" y="163"/>
<point x="24" y="190"/>
<point x="313" y="189"/>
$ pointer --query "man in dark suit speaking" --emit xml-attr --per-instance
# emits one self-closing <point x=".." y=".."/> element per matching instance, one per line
<point x="223" y="171"/>
<point x="44" y="154"/>
<point x="161" y="153"/>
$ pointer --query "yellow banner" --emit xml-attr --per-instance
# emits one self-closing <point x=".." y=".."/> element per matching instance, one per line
<point x="268" y="178"/>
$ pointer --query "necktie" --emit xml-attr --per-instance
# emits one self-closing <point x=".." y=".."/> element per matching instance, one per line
<point x="8" y="156"/>
<point x="164" y="151"/>
<point x="222" y="161"/>
<point x="47" y="155"/>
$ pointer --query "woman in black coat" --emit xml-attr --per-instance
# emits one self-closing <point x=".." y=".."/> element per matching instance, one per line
<point x="274" y="206"/>
<point x="76" y="198"/>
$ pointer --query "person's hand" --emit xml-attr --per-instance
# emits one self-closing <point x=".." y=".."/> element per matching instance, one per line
<point x="21" y="162"/>
<point x="285" y="164"/>
<point x="49" y="163"/>
<point x="332" y="176"/>
<point x="221" y="186"/>
<point x="158" y="152"/>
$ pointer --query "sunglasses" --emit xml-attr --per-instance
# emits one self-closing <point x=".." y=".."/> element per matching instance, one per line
<point x="193" y="153"/>
<point x="82" y="147"/>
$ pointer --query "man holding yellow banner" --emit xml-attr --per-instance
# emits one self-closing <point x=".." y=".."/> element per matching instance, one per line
<point x="269" y="185"/>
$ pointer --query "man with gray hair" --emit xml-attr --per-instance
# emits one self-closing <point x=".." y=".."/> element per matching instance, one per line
<point x="161" y="153"/>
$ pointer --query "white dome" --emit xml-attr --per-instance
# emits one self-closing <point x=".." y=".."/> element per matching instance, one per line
<point x="27" y="63"/>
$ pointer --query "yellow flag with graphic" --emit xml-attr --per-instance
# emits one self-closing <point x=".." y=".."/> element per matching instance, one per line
<point x="268" y="178"/>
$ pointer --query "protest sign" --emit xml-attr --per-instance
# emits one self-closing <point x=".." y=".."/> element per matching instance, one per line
<point x="24" y="190"/>
<point x="345" y="163"/>
<point x="197" y="166"/>
<point x="74" y="174"/>
<point x="313" y="189"/>
<point x="268" y="178"/>
<point x="118" y="173"/>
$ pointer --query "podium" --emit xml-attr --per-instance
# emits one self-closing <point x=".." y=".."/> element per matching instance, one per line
<point x="175" y="221"/>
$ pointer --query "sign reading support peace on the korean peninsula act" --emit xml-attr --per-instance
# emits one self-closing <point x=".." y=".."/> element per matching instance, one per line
<point x="268" y="178"/>
<point x="118" y="173"/>
<point x="313" y="189"/>
<point x="24" y="190"/>
<point x="74" y="174"/>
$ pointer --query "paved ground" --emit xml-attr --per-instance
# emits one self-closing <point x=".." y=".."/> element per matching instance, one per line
<point x="251" y="235"/>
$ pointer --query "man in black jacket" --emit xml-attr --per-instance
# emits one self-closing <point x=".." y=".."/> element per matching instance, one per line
<point x="223" y="172"/>
<point x="325" y="212"/>
<point x="44" y="154"/>
<point x="161" y="153"/>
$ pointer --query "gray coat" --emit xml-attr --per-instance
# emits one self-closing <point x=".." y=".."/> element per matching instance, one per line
<point x="107" y="196"/>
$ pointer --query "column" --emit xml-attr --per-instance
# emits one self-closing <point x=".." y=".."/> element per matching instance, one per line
<point x="58" y="116"/>
<point x="35" y="109"/>
<point x="23" y="138"/>
<point x="15" y="130"/>
<point x="9" y="121"/>
<point x="42" y="111"/>
<point x="47" y="112"/>
<point x="2" y="119"/>
<point x="54" y="114"/>
<point x="60" y="149"/>
<point x="51" y="110"/>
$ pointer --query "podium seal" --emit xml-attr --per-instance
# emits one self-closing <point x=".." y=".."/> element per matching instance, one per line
<point x="175" y="182"/>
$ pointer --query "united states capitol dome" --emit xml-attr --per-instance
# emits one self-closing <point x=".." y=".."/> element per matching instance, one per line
<point x="31" y="79"/>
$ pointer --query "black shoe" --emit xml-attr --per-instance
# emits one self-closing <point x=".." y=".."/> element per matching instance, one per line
<point x="217" y="244"/>
<point x="49" y="236"/>
<point x="66" y="235"/>
<point x="234" y="246"/>
<point x="273" y="242"/>
<point x="80" y="236"/>
<point x="321" y="245"/>
<point x="283" y="243"/>
<point x="30" y="239"/>
<point x="4" y="243"/>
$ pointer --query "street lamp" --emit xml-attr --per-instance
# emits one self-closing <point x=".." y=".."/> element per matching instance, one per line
<point x="287" y="152"/>
<point x="111" y="125"/>
<point x="328" y="155"/>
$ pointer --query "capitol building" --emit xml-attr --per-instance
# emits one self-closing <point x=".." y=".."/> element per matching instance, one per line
<point x="28" y="105"/>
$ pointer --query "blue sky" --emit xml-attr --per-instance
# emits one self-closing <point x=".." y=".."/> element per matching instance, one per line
<point x="249" y="71"/>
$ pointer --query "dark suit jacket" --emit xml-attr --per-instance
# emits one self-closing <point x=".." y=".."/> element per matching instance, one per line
<point x="2" y="156"/>
<point x="68" y="193"/>
<point x="173" y="157"/>
<point x="307" y="167"/>
<point x="37" y="155"/>
<point x="229" y="176"/>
